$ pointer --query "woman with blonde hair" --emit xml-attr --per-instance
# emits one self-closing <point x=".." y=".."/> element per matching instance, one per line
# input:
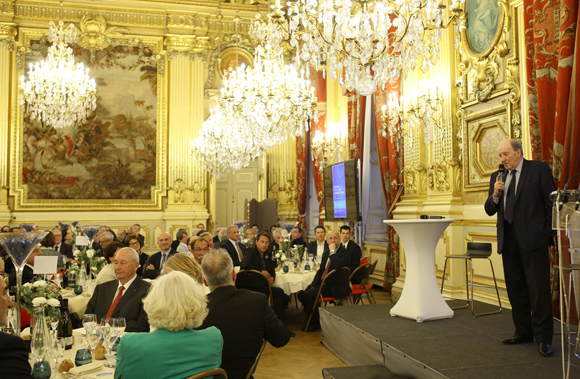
<point x="176" y="305"/>
<point x="185" y="263"/>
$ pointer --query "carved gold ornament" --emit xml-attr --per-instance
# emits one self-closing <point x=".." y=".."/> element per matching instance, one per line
<point x="95" y="35"/>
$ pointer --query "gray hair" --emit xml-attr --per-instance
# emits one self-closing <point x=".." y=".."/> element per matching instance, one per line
<point x="107" y="235"/>
<point x="516" y="145"/>
<point x="180" y="233"/>
<point x="204" y="234"/>
<point x="277" y="231"/>
<point x="223" y="234"/>
<point x="175" y="302"/>
<point x="231" y="227"/>
<point x="217" y="268"/>
<point x="134" y="254"/>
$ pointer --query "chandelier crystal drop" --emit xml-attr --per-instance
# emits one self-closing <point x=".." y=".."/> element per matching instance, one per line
<point x="59" y="91"/>
<point x="366" y="43"/>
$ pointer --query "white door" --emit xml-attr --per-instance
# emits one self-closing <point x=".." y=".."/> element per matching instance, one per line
<point x="231" y="192"/>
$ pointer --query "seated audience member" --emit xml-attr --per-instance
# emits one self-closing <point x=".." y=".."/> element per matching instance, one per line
<point x="176" y="305"/>
<point x="217" y="230"/>
<point x="317" y="248"/>
<point x="67" y="237"/>
<point x="121" y="234"/>
<point x="200" y="226"/>
<point x="199" y="247"/>
<point x="199" y="232"/>
<point x="207" y="236"/>
<point x="108" y="272"/>
<point x="255" y="229"/>
<point x="272" y="228"/>
<point x="230" y="308"/>
<point x="47" y="245"/>
<point x="184" y="263"/>
<point x="137" y="230"/>
<point x="13" y="351"/>
<point x="335" y="257"/>
<point x="252" y="237"/>
<point x="190" y="242"/>
<point x="5" y="229"/>
<point x="28" y="273"/>
<point x="354" y="250"/>
<point x="61" y="246"/>
<point x="132" y="241"/>
<point x="259" y="258"/>
<point x="223" y="236"/>
<point x="155" y="265"/>
<point x="105" y="239"/>
<point x="297" y="237"/>
<point x="122" y="297"/>
<point x="275" y="243"/>
<point x="233" y="246"/>
<point x="182" y="237"/>
<point x="130" y="229"/>
<point x="16" y="229"/>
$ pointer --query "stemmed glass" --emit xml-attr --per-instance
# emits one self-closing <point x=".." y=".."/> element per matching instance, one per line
<point x="93" y="335"/>
<point x="57" y="346"/>
<point x="120" y="325"/>
<point x="110" y="336"/>
<point x="54" y="315"/>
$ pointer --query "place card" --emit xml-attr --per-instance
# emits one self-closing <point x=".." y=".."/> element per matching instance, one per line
<point x="45" y="265"/>
<point x="82" y="241"/>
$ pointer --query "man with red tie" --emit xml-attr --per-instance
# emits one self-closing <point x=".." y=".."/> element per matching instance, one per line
<point x="122" y="297"/>
<point x="336" y="256"/>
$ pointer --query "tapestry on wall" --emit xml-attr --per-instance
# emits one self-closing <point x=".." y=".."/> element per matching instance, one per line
<point x="112" y="155"/>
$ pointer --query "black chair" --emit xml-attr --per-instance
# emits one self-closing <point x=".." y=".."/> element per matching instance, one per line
<point x="335" y="277"/>
<point x="475" y="250"/>
<point x="215" y="373"/>
<point x="252" y="280"/>
<point x="255" y="365"/>
<point x="360" y="276"/>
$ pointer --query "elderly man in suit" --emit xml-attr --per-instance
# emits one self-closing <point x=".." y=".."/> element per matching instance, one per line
<point x="229" y="308"/>
<point x="354" y="250"/>
<point x="233" y="247"/>
<point x="524" y="231"/>
<point x="13" y="351"/>
<point x="122" y="297"/>
<point x="317" y="248"/>
<point x="334" y="258"/>
<point x="60" y="246"/>
<point x="155" y="266"/>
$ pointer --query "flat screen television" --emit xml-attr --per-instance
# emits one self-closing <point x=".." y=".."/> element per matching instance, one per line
<point x="341" y="191"/>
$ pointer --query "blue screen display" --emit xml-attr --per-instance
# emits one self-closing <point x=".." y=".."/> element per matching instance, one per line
<point x="339" y="191"/>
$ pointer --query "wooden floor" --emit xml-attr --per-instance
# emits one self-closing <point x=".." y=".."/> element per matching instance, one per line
<point x="304" y="357"/>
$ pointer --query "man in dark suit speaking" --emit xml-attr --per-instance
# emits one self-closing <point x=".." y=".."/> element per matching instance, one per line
<point x="122" y="297"/>
<point x="335" y="257"/>
<point x="524" y="230"/>
<point x="244" y="317"/>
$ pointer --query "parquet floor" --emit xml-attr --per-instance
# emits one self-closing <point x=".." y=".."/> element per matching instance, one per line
<point x="304" y="357"/>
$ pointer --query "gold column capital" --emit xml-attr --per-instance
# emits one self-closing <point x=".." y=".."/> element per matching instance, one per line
<point x="190" y="46"/>
<point x="8" y="33"/>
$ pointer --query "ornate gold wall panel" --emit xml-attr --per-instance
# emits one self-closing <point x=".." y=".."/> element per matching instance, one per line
<point x="282" y="173"/>
<point x="20" y="190"/>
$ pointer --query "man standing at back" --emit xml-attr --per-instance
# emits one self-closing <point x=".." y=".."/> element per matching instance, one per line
<point x="244" y="317"/>
<point x="122" y="297"/>
<point x="524" y="230"/>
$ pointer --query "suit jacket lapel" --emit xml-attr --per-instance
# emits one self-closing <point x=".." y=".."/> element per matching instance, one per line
<point x="523" y="174"/>
<point x="129" y="292"/>
<point x="111" y="293"/>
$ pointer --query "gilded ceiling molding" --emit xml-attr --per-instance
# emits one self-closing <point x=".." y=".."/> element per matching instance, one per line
<point x="96" y="35"/>
<point x="192" y="47"/>
<point x="8" y="34"/>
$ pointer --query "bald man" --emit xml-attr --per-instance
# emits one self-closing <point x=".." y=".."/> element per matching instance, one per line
<point x="155" y="266"/>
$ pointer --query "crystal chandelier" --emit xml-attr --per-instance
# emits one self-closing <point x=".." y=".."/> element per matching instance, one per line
<point x="366" y="43"/>
<point x="59" y="91"/>
<point x="257" y="107"/>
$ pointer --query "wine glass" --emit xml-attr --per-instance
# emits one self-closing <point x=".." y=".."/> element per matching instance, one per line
<point x="110" y="335"/>
<point x="57" y="346"/>
<point x="89" y="321"/>
<point x="93" y="335"/>
<point x="54" y="315"/>
<point x="120" y="325"/>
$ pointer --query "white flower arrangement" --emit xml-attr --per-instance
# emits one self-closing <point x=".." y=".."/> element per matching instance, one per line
<point x="90" y="253"/>
<point x="53" y="302"/>
<point x="76" y="253"/>
<point x="39" y="284"/>
<point x="39" y="301"/>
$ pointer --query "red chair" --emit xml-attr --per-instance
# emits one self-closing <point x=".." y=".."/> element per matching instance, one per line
<point x="335" y="277"/>
<point x="361" y="276"/>
<point x="364" y="260"/>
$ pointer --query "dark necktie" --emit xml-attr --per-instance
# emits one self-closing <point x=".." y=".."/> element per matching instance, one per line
<point x="115" y="302"/>
<point x="510" y="200"/>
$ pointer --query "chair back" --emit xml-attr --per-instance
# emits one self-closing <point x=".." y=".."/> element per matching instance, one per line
<point x="253" y="279"/>
<point x="478" y="249"/>
<point x="361" y="274"/>
<point x="337" y="277"/>
<point x="255" y="365"/>
<point x="215" y="373"/>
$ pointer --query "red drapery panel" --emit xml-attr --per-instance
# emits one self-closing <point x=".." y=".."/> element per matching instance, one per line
<point x="390" y="155"/>
<point x="551" y="45"/>
<point x="302" y="148"/>
<point x="356" y="124"/>
<point x="317" y="168"/>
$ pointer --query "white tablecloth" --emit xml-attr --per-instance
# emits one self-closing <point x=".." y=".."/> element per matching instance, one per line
<point x="292" y="282"/>
<point x="78" y="303"/>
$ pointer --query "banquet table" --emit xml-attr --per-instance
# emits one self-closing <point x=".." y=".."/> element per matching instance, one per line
<point x="77" y="304"/>
<point x="294" y="281"/>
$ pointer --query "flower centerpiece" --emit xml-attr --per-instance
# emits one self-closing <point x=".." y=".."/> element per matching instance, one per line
<point x="85" y="255"/>
<point x="40" y="294"/>
<point x="246" y="242"/>
<point x="280" y="259"/>
<point x="97" y="265"/>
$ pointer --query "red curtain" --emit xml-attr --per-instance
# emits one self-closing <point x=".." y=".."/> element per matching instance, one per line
<point x="551" y="47"/>
<point x="317" y="166"/>
<point x="302" y="148"/>
<point x="356" y="124"/>
<point x="390" y="155"/>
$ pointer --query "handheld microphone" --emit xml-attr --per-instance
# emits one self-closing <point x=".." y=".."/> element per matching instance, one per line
<point x="501" y="174"/>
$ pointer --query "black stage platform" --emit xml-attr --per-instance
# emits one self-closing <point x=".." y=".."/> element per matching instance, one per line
<point x="461" y="347"/>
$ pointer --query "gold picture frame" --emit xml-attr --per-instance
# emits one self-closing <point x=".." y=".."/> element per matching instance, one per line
<point x="149" y="50"/>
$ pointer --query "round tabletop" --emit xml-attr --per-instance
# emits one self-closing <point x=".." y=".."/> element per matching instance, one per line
<point x="294" y="281"/>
